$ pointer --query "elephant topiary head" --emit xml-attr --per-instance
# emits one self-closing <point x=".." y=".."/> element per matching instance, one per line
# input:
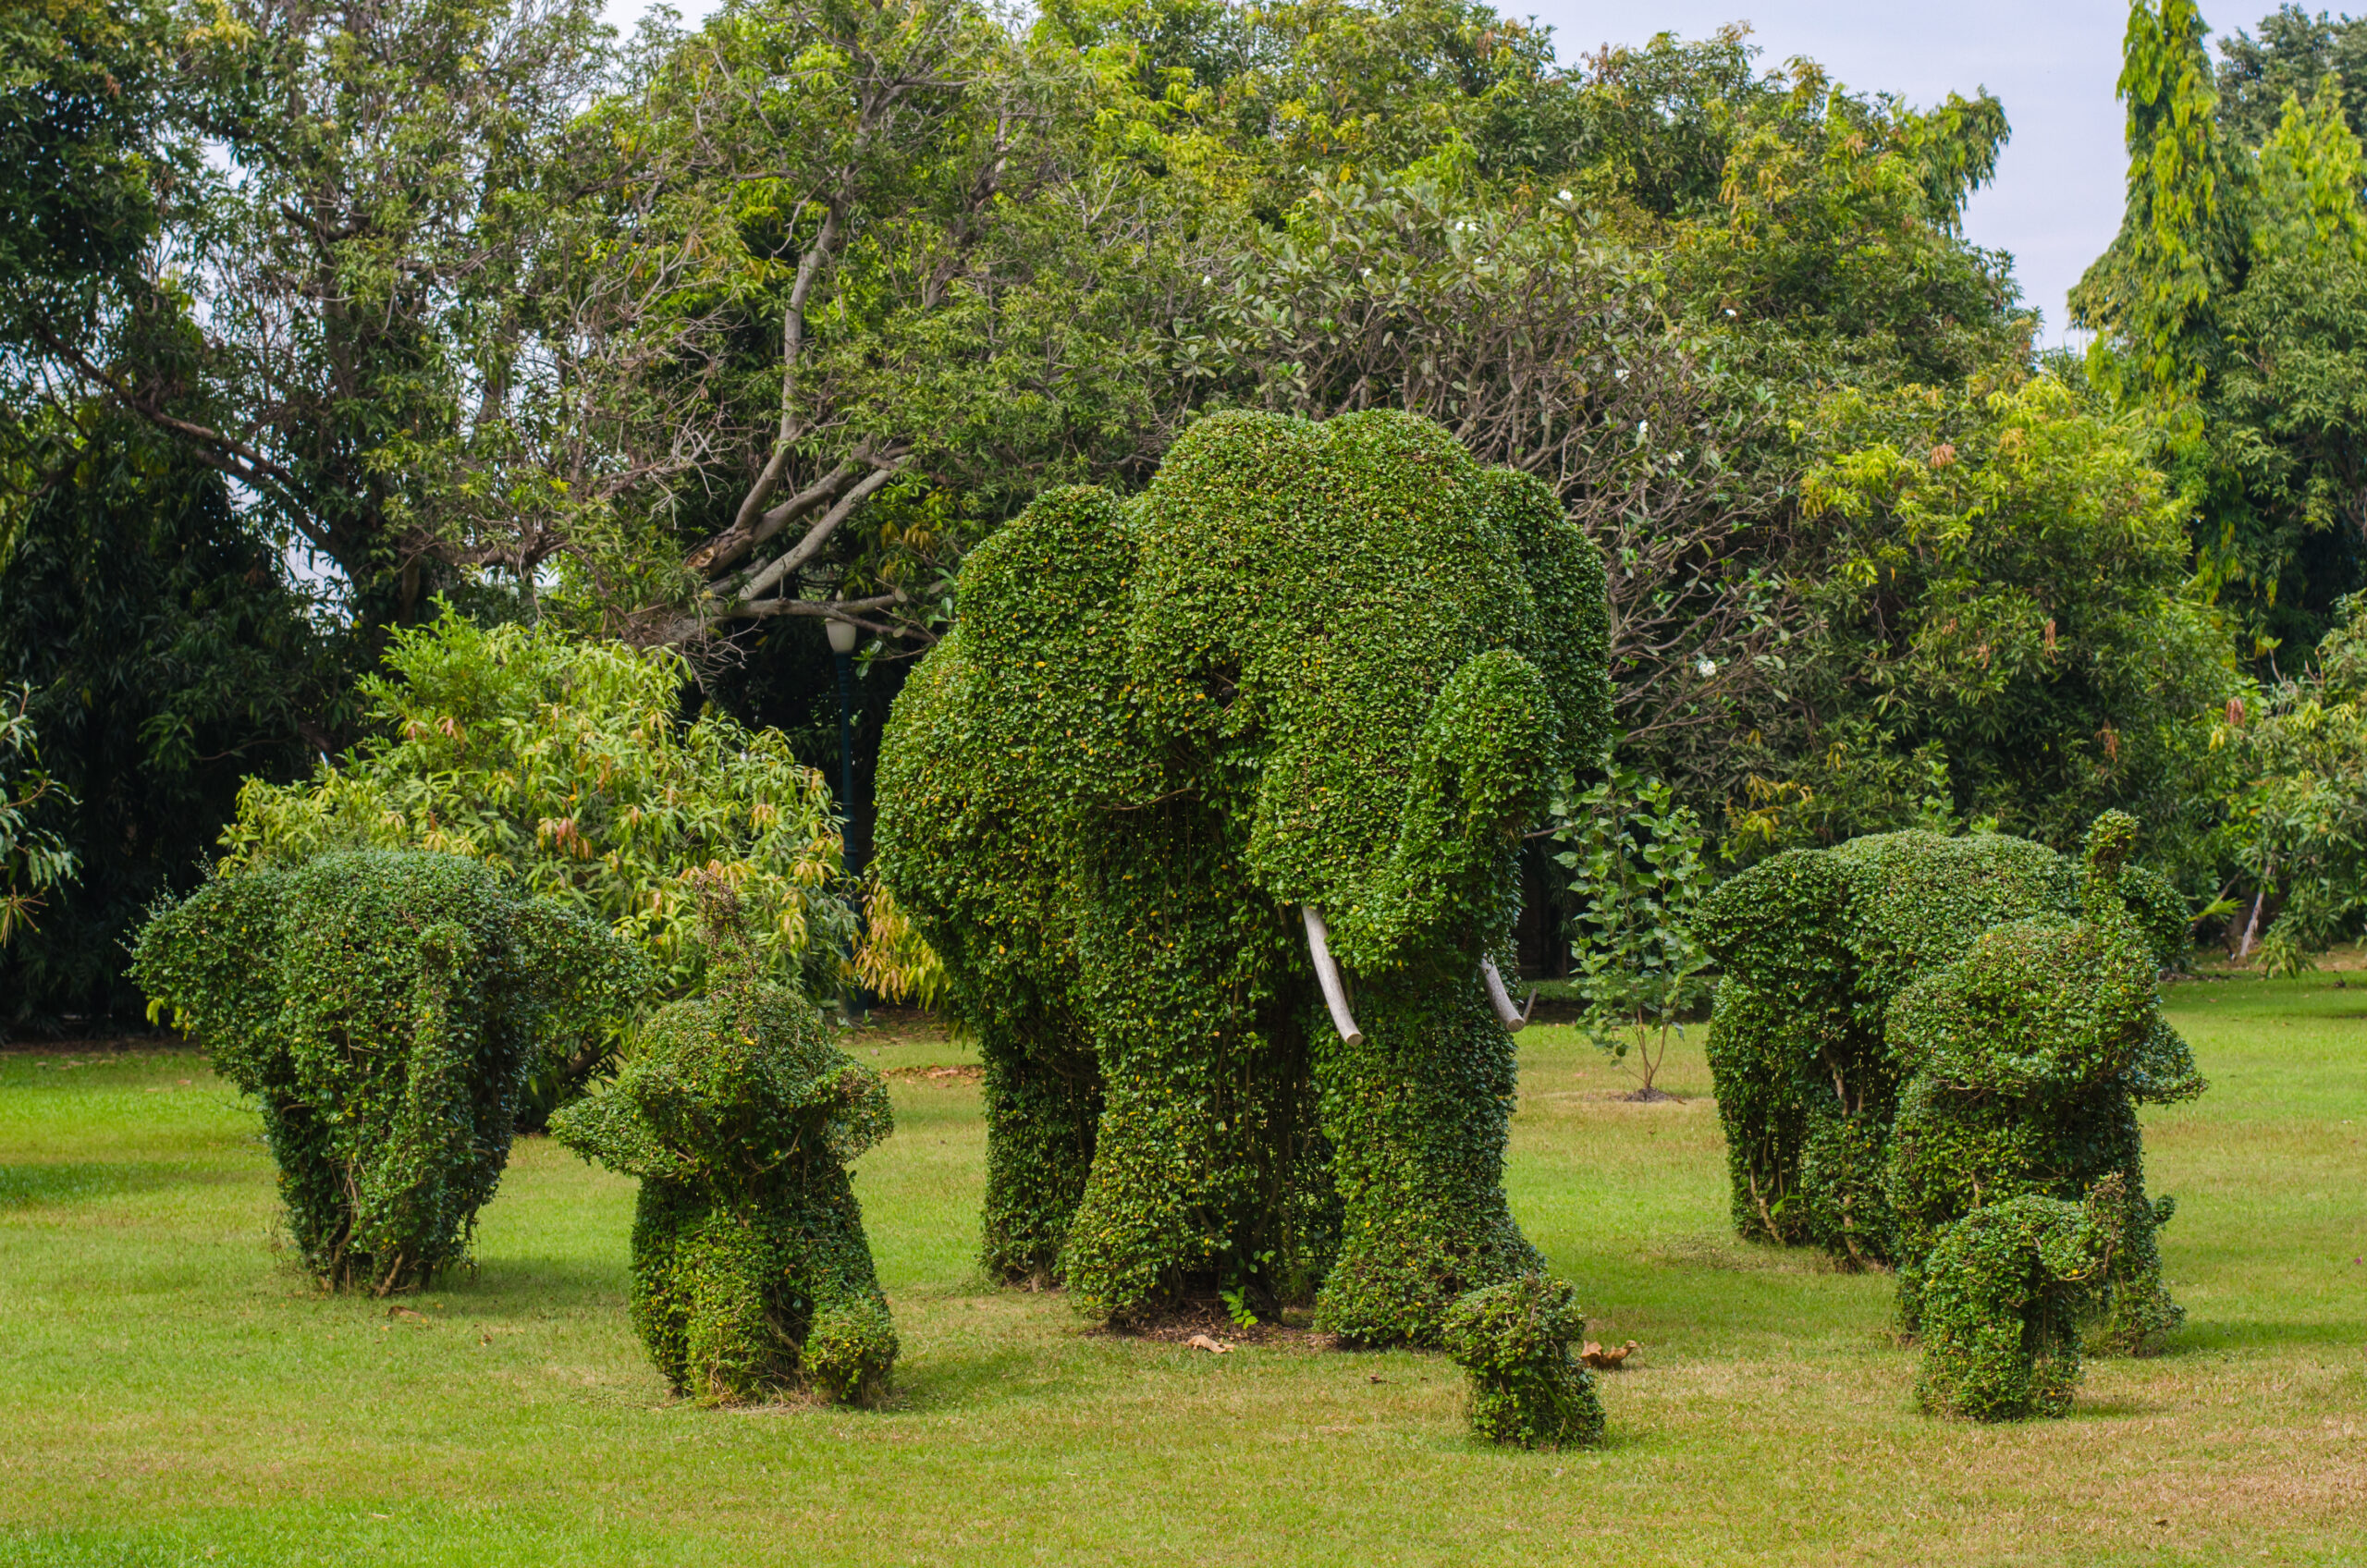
<point x="1377" y="653"/>
<point x="1406" y="648"/>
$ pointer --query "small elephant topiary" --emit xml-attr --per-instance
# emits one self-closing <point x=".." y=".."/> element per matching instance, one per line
<point x="385" y="1007"/>
<point x="2030" y="1057"/>
<point x="751" y="1275"/>
<point x="1527" y="1389"/>
<point x="2005" y="1291"/>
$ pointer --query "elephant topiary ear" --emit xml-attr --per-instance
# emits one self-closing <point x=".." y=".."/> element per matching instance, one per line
<point x="212" y="962"/>
<point x="1046" y="604"/>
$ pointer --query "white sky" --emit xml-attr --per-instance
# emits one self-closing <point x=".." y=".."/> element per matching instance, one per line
<point x="2057" y="199"/>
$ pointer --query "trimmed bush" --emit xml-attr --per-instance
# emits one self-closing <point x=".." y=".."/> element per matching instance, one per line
<point x="1335" y="666"/>
<point x="751" y="1272"/>
<point x="2006" y="1290"/>
<point x="383" y="1007"/>
<point x="1527" y="1389"/>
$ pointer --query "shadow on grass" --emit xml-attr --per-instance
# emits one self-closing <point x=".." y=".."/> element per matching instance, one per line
<point x="50" y="1185"/>
<point x="513" y="1287"/>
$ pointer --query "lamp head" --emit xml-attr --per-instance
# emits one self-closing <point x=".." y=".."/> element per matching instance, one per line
<point x="842" y="634"/>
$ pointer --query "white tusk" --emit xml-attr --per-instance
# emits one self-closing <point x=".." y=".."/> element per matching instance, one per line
<point x="1336" y="993"/>
<point x="1501" y="1000"/>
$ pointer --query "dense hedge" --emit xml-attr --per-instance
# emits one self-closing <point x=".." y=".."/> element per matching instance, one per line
<point x="750" y="1270"/>
<point x="385" y="1006"/>
<point x="1334" y="665"/>
<point x="1912" y="1027"/>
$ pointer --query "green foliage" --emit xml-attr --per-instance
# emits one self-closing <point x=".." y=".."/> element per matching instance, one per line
<point x="2006" y="628"/>
<point x="386" y="1007"/>
<point x="562" y="762"/>
<point x="1634" y="859"/>
<point x="2180" y="243"/>
<point x="1528" y="1388"/>
<point x="752" y="1274"/>
<point x="2009" y="1284"/>
<point x="1330" y="666"/>
<point x="32" y="860"/>
<point x="168" y="659"/>
<point x="2297" y="827"/>
<point x="2294" y="55"/>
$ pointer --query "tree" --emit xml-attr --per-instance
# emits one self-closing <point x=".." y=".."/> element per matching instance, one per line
<point x="32" y="860"/>
<point x="867" y="275"/>
<point x="335" y="322"/>
<point x="2180" y="246"/>
<point x="2297" y="828"/>
<point x="2294" y="56"/>
<point x="2005" y="620"/>
<point x="167" y="660"/>
<point x="1637" y="871"/>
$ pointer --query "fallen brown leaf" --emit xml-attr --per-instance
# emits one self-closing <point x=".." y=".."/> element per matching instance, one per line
<point x="406" y="1311"/>
<point x="1608" y="1360"/>
<point x="1201" y="1342"/>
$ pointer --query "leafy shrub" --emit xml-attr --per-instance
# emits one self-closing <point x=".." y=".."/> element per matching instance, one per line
<point x="32" y="860"/>
<point x="1635" y="856"/>
<point x="385" y="1008"/>
<point x="1526" y="1387"/>
<point x="562" y="762"/>
<point x="750" y="1270"/>
<point x="2007" y="1287"/>
<point x="1332" y="667"/>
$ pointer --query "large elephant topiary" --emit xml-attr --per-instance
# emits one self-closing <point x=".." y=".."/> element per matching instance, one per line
<point x="1210" y="805"/>
<point x="385" y="1007"/>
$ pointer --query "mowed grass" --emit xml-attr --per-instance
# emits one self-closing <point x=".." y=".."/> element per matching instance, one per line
<point x="172" y="1391"/>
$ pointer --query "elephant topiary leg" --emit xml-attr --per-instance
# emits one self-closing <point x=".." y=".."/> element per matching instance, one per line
<point x="729" y="1272"/>
<point x="1043" y="1104"/>
<point x="1200" y="1115"/>
<point x="1417" y="1116"/>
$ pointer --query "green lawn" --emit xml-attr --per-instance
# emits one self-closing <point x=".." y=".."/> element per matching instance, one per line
<point x="171" y="1390"/>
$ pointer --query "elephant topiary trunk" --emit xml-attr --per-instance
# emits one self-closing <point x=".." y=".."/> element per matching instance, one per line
<point x="1211" y="804"/>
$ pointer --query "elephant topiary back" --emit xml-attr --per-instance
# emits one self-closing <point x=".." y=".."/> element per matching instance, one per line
<point x="383" y="1007"/>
